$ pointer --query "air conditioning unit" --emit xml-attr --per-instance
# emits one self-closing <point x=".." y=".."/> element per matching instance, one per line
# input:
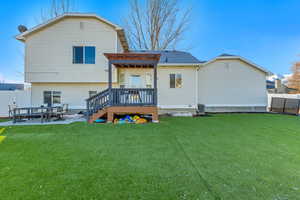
<point x="201" y="109"/>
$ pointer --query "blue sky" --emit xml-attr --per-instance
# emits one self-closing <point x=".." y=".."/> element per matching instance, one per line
<point x="265" y="32"/>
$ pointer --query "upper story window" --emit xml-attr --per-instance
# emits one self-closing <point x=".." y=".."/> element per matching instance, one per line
<point x="175" y="81"/>
<point x="84" y="55"/>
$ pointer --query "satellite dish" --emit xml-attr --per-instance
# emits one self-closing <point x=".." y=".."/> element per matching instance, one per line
<point x="22" y="28"/>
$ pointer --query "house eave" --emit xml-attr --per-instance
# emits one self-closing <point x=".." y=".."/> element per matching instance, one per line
<point x="179" y="64"/>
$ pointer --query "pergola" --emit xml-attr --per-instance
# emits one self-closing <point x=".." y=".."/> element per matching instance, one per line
<point x="126" y="100"/>
<point x="133" y="60"/>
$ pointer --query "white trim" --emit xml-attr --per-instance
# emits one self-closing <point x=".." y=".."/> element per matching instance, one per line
<point x="177" y="106"/>
<point x="234" y="105"/>
<point x="179" y="64"/>
<point x="238" y="58"/>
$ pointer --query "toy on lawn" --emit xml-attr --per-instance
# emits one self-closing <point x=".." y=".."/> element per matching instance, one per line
<point x="100" y="120"/>
<point x="141" y="121"/>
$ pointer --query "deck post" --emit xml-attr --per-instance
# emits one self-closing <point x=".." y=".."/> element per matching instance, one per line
<point x="87" y="115"/>
<point x="110" y="82"/>
<point x="109" y="75"/>
<point x="155" y="84"/>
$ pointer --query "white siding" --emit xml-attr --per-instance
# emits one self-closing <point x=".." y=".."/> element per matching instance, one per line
<point x="231" y="83"/>
<point x="49" y="51"/>
<point x="73" y="94"/>
<point x="184" y="97"/>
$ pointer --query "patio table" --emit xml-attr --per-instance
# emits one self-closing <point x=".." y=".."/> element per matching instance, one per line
<point x="30" y="112"/>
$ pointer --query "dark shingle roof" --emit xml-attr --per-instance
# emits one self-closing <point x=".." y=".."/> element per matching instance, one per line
<point x="226" y="55"/>
<point x="170" y="56"/>
<point x="11" y="86"/>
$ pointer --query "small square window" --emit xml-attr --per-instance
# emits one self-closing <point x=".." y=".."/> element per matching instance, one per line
<point x="178" y="82"/>
<point x="175" y="81"/>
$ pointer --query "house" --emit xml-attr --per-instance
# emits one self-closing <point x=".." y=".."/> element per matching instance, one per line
<point x="11" y="86"/>
<point x="78" y="56"/>
<point x="277" y="87"/>
<point x="270" y="85"/>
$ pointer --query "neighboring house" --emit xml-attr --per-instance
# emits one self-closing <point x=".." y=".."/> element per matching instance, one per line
<point x="11" y="86"/>
<point x="270" y="85"/>
<point x="277" y="87"/>
<point x="65" y="63"/>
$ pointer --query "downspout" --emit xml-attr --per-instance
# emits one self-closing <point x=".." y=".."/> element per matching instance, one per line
<point x="197" y="83"/>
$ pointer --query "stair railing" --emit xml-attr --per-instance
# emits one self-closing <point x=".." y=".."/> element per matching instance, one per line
<point x="97" y="102"/>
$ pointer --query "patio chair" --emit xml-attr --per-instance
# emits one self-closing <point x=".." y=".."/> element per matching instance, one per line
<point x="11" y="110"/>
<point x="60" y="111"/>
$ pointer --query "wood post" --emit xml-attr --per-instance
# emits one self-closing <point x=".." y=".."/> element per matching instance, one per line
<point x="155" y="84"/>
<point x="109" y="75"/>
<point x="110" y="117"/>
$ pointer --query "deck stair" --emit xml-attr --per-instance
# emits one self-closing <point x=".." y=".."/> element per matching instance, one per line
<point x="121" y="101"/>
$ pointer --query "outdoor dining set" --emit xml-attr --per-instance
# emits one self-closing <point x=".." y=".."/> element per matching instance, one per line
<point x="45" y="113"/>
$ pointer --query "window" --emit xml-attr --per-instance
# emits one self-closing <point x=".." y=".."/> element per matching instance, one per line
<point x="84" y="55"/>
<point x="52" y="97"/>
<point x="47" y="98"/>
<point x="92" y="93"/>
<point x="135" y="81"/>
<point x="56" y="97"/>
<point x="175" y="81"/>
<point x="89" y="55"/>
<point x="148" y="80"/>
<point x="77" y="55"/>
<point x="122" y="80"/>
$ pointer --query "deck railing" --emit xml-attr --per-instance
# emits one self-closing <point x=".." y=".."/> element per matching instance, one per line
<point x="97" y="102"/>
<point x="121" y="97"/>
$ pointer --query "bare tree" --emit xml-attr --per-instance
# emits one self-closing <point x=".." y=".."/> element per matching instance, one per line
<point x="56" y="8"/>
<point x="156" y="24"/>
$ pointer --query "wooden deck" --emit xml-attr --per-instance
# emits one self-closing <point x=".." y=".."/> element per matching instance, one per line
<point x="126" y="100"/>
<point x="110" y="112"/>
<point x="122" y="101"/>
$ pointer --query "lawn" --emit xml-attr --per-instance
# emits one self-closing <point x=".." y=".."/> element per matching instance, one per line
<point x="4" y="119"/>
<point x="232" y="156"/>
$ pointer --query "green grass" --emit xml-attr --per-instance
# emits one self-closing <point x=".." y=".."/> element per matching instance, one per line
<point x="4" y="119"/>
<point x="233" y="156"/>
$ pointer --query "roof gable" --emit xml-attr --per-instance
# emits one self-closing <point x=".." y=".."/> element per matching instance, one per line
<point x="233" y="57"/>
<point x="119" y="30"/>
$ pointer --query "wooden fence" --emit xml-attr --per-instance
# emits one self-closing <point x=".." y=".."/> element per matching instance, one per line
<point x="285" y="105"/>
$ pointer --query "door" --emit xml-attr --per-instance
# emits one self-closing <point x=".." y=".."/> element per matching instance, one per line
<point x="135" y="81"/>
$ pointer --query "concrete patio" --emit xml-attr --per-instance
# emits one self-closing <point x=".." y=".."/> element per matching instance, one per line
<point x="68" y="119"/>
